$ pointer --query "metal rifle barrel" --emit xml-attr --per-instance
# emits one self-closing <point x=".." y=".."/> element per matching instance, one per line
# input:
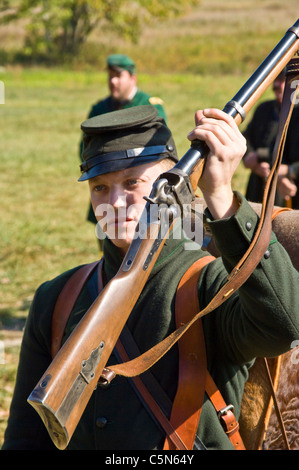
<point x="199" y="150"/>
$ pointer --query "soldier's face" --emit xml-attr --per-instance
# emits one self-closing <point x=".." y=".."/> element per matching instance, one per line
<point x="121" y="84"/>
<point x="117" y="200"/>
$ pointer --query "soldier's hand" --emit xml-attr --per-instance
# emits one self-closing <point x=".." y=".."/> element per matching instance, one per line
<point x="286" y="188"/>
<point x="252" y="162"/>
<point x="227" y="146"/>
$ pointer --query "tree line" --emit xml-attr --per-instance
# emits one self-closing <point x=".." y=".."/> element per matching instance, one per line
<point x="60" y="27"/>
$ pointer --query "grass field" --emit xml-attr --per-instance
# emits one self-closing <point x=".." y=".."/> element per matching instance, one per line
<point x="43" y="212"/>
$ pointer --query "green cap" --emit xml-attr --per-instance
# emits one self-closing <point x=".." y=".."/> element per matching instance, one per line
<point x="125" y="138"/>
<point x="120" y="62"/>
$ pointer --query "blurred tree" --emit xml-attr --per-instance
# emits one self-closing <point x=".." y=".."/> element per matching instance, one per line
<point x="62" y="26"/>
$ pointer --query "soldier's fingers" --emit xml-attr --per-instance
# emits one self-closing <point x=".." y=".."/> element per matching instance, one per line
<point x="215" y="113"/>
<point x="218" y="118"/>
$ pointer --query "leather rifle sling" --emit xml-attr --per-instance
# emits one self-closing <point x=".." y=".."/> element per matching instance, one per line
<point x="253" y="255"/>
<point x="193" y="378"/>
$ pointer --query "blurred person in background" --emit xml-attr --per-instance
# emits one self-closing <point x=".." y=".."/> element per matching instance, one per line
<point x="260" y="135"/>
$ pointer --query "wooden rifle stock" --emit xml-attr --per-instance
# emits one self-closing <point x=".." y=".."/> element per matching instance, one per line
<point x="64" y="390"/>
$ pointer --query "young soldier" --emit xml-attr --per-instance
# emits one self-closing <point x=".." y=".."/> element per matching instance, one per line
<point x="261" y="319"/>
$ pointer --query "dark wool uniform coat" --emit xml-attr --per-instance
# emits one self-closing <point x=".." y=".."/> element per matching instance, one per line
<point x="261" y="319"/>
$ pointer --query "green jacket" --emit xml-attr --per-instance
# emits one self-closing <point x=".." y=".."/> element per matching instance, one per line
<point x="108" y="105"/>
<point x="141" y="98"/>
<point x="261" y="319"/>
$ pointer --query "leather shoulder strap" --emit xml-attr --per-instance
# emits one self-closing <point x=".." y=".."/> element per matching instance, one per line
<point x="194" y="378"/>
<point x="66" y="301"/>
<point x="225" y="414"/>
<point x="189" y="398"/>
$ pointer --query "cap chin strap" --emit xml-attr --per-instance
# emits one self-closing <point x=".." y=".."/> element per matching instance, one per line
<point x="126" y="154"/>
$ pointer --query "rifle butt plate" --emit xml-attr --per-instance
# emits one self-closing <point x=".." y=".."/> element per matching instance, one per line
<point x="55" y="428"/>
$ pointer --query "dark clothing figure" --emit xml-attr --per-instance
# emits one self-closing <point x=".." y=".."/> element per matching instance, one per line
<point x="261" y="135"/>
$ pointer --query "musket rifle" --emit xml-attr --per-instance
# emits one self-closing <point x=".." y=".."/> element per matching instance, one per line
<point x="64" y="390"/>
